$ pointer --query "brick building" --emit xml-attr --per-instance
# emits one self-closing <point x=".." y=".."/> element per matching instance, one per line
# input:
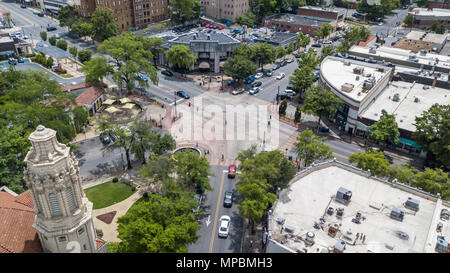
<point x="337" y="15"/>
<point x="424" y="18"/>
<point x="438" y="4"/>
<point x="294" y="23"/>
<point x="225" y="9"/>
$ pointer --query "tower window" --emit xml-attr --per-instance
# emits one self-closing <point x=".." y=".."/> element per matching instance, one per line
<point x="80" y="231"/>
<point x="54" y="204"/>
<point x="62" y="239"/>
<point x="70" y="200"/>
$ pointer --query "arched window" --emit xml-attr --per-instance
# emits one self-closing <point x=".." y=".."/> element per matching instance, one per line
<point x="70" y="200"/>
<point x="54" y="204"/>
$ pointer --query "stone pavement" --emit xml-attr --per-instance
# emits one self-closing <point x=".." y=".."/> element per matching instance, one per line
<point x="110" y="230"/>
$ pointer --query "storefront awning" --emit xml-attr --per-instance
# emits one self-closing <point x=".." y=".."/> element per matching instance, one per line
<point x="204" y="65"/>
<point x="409" y="142"/>
<point x="362" y="126"/>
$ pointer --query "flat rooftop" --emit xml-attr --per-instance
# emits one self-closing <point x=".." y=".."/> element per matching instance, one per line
<point x="403" y="54"/>
<point x="337" y="73"/>
<point x="431" y="12"/>
<point x="406" y="108"/>
<point x="311" y="193"/>
<point x="324" y="9"/>
<point x="300" y="19"/>
<point x="219" y="37"/>
<point x="427" y="37"/>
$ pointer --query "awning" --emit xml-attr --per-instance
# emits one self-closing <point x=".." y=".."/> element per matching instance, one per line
<point x="128" y="106"/>
<point x="204" y="65"/>
<point x="109" y="101"/>
<point x="409" y="142"/>
<point x="112" y="110"/>
<point x="362" y="126"/>
<point x="125" y="100"/>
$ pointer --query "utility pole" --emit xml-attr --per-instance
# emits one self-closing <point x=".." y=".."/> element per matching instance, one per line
<point x="175" y="99"/>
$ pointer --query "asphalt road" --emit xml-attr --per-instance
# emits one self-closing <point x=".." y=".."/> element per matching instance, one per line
<point x="209" y="241"/>
<point x="391" y="22"/>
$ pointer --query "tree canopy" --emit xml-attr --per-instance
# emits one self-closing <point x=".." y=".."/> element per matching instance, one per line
<point x="310" y="147"/>
<point x="180" y="57"/>
<point x="239" y="67"/>
<point x="103" y="24"/>
<point x="320" y="102"/>
<point x="385" y="129"/>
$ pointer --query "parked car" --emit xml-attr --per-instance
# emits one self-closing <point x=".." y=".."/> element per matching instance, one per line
<point x="183" y="94"/>
<point x="256" y="84"/>
<point x="283" y="63"/>
<point x="228" y="200"/>
<point x="254" y="90"/>
<point x="21" y="60"/>
<point x="269" y="73"/>
<point x="12" y="61"/>
<point x="220" y="27"/>
<point x="316" y="45"/>
<point x="327" y="42"/>
<point x="249" y="79"/>
<point x="289" y="92"/>
<point x="238" y="91"/>
<point x="40" y="14"/>
<point x="258" y="75"/>
<point x="51" y="28"/>
<point x="280" y="76"/>
<point x="167" y="73"/>
<point x="141" y="77"/>
<point x="290" y="60"/>
<point x="105" y="139"/>
<point x="324" y="129"/>
<point x="224" y="228"/>
<point x="297" y="55"/>
<point x="275" y="67"/>
<point x="23" y="6"/>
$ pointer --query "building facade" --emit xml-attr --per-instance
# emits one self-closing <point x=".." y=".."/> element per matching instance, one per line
<point x="337" y="15"/>
<point x="438" y="4"/>
<point x="63" y="212"/>
<point x="294" y="23"/>
<point x="424" y="18"/>
<point x="225" y="9"/>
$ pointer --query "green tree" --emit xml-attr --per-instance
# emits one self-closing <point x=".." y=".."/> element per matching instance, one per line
<point x="104" y="25"/>
<point x="181" y="11"/>
<point x="320" y="102"/>
<point x="327" y="51"/>
<point x="62" y="44"/>
<point x="96" y="69"/>
<point x="301" y="40"/>
<point x="409" y="20"/>
<point x="73" y="50"/>
<point x="372" y="160"/>
<point x="438" y="28"/>
<point x="433" y="132"/>
<point x="83" y="29"/>
<point x="162" y="143"/>
<point x="282" y="108"/>
<point x="159" y="225"/>
<point x="129" y="58"/>
<point x="264" y="54"/>
<point x="239" y="67"/>
<point x="67" y="16"/>
<point x="159" y="170"/>
<point x="43" y="36"/>
<point x="154" y="44"/>
<point x="52" y="40"/>
<point x="280" y="52"/>
<point x="142" y="139"/>
<point x="298" y="114"/>
<point x="247" y="19"/>
<point x="290" y="49"/>
<point x="385" y="129"/>
<point x="309" y="59"/>
<point x="84" y="55"/>
<point x="192" y="170"/>
<point x="244" y="51"/>
<point x="124" y="140"/>
<point x="433" y="181"/>
<point x="310" y="147"/>
<point x="403" y="174"/>
<point x="80" y="117"/>
<point x="324" y="30"/>
<point x="49" y="62"/>
<point x="302" y="78"/>
<point x="180" y="57"/>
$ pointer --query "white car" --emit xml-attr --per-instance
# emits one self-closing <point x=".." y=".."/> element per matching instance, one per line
<point x="254" y="90"/>
<point x="290" y="60"/>
<point x="224" y="227"/>
<point x="238" y="91"/>
<point x="280" y="76"/>
<point x="327" y="42"/>
<point x="289" y="92"/>
<point x="259" y="75"/>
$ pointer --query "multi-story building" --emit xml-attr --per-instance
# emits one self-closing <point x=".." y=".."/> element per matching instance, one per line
<point x="337" y="15"/>
<point x="424" y="18"/>
<point x="225" y="9"/>
<point x="294" y="23"/>
<point x="129" y="14"/>
<point x="438" y="4"/>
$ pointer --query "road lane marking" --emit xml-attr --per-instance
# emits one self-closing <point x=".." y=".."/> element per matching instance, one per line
<point x="17" y="14"/>
<point x="213" y="235"/>
<point x="340" y="155"/>
<point x="177" y="102"/>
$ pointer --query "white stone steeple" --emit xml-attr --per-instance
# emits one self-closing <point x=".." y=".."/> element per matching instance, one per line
<point x="63" y="212"/>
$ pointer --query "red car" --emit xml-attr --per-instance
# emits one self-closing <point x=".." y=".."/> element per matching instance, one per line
<point x="231" y="171"/>
<point x="209" y="30"/>
<point x="208" y="25"/>
<point x="221" y="27"/>
<point x="203" y="23"/>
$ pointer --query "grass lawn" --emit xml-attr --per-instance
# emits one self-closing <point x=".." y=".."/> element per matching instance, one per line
<point x="108" y="194"/>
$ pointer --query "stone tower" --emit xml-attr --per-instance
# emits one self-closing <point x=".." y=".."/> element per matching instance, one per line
<point x="63" y="212"/>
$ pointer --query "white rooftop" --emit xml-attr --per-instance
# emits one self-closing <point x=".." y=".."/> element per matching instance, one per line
<point x="403" y="54"/>
<point x="431" y="12"/>
<point x="310" y="194"/>
<point x="406" y="109"/>
<point x="337" y="73"/>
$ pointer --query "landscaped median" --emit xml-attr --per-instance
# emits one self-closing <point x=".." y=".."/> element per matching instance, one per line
<point x="108" y="194"/>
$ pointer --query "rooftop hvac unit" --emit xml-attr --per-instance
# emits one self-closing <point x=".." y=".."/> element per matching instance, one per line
<point x="368" y="84"/>
<point x="373" y="50"/>
<point x="357" y="78"/>
<point x="289" y="229"/>
<point x="346" y="63"/>
<point x="416" y="99"/>
<point x="396" y="97"/>
<point x="343" y="195"/>
<point x="358" y="70"/>
<point x="380" y="69"/>
<point x="397" y="214"/>
<point x="347" y="87"/>
<point x="412" y="203"/>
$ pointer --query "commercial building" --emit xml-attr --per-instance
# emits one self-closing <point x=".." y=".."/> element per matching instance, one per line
<point x="224" y="9"/>
<point x="372" y="214"/>
<point x="353" y="4"/>
<point x="210" y="49"/>
<point x="417" y="41"/>
<point x="424" y="18"/>
<point x="294" y="23"/>
<point x="438" y="4"/>
<point x="129" y="14"/>
<point x="337" y="15"/>
<point x="277" y="39"/>
<point x="356" y="83"/>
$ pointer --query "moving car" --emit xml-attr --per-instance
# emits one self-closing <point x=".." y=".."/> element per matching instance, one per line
<point x="23" y="6"/>
<point x="167" y="73"/>
<point x="51" y="28"/>
<point x="259" y="75"/>
<point x="285" y="97"/>
<point x="238" y="91"/>
<point x="231" y="171"/>
<point x="183" y="94"/>
<point x="254" y="90"/>
<point x="280" y="76"/>
<point x="224" y="228"/>
<point x="324" y="129"/>
<point x="40" y="14"/>
<point x="256" y="84"/>
<point x="228" y="200"/>
<point x="105" y="139"/>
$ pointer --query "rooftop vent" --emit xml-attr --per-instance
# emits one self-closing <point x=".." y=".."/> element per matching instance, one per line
<point x="373" y="50"/>
<point x="412" y="203"/>
<point x="343" y="195"/>
<point x="396" y="97"/>
<point x="208" y="37"/>
<point x="346" y="63"/>
<point x="347" y="87"/>
<point x="358" y="70"/>
<point x="397" y="214"/>
<point x="416" y="99"/>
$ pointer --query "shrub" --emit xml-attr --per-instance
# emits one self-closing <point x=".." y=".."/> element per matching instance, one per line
<point x="115" y="180"/>
<point x="145" y="195"/>
<point x="52" y="40"/>
<point x="44" y="36"/>
<point x="133" y="188"/>
<point x="84" y="55"/>
<point x="29" y="55"/>
<point x="62" y="44"/>
<point x="73" y="50"/>
<point x="49" y="62"/>
<point x="60" y="70"/>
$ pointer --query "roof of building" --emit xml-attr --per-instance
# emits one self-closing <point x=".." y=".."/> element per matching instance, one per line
<point x="414" y="99"/>
<point x="335" y="9"/>
<point x="431" y="12"/>
<point x="277" y="37"/>
<point x="313" y="191"/>
<point x="427" y="37"/>
<point x="16" y="219"/>
<point x="299" y="19"/>
<point x="338" y="72"/>
<point x="368" y="40"/>
<point x="75" y="87"/>
<point x="90" y="95"/>
<point x="218" y="37"/>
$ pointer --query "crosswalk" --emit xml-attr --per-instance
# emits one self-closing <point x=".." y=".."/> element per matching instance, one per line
<point x="289" y="143"/>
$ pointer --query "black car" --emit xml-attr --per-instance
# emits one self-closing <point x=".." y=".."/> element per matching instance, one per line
<point x="183" y="94"/>
<point x="41" y="14"/>
<point x="23" y="6"/>
<point x="51" y="28"/>
<point x="228" y="200"/>
<point x="12" y="61"/>
<point x="105" y="139"/>
<point x="297" y="55"/>
<point x="256" y="84"/>
<point x="285" y="97"/>
<point x="167" y="73"/>
<point x="283" y="63"/>
<point x="20" y="60"/>
<point x="316" y="45"/>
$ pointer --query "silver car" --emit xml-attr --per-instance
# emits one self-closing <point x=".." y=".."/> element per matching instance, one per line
<point x="238" y="91"/>
<point x="224" y="228"/>
<point x="254" y="90"/>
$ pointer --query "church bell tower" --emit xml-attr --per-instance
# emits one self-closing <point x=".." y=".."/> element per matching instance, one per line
<point x="63" y="212"/>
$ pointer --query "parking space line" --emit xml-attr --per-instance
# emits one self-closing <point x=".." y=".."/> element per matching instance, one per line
<point x="211" y="243"/>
